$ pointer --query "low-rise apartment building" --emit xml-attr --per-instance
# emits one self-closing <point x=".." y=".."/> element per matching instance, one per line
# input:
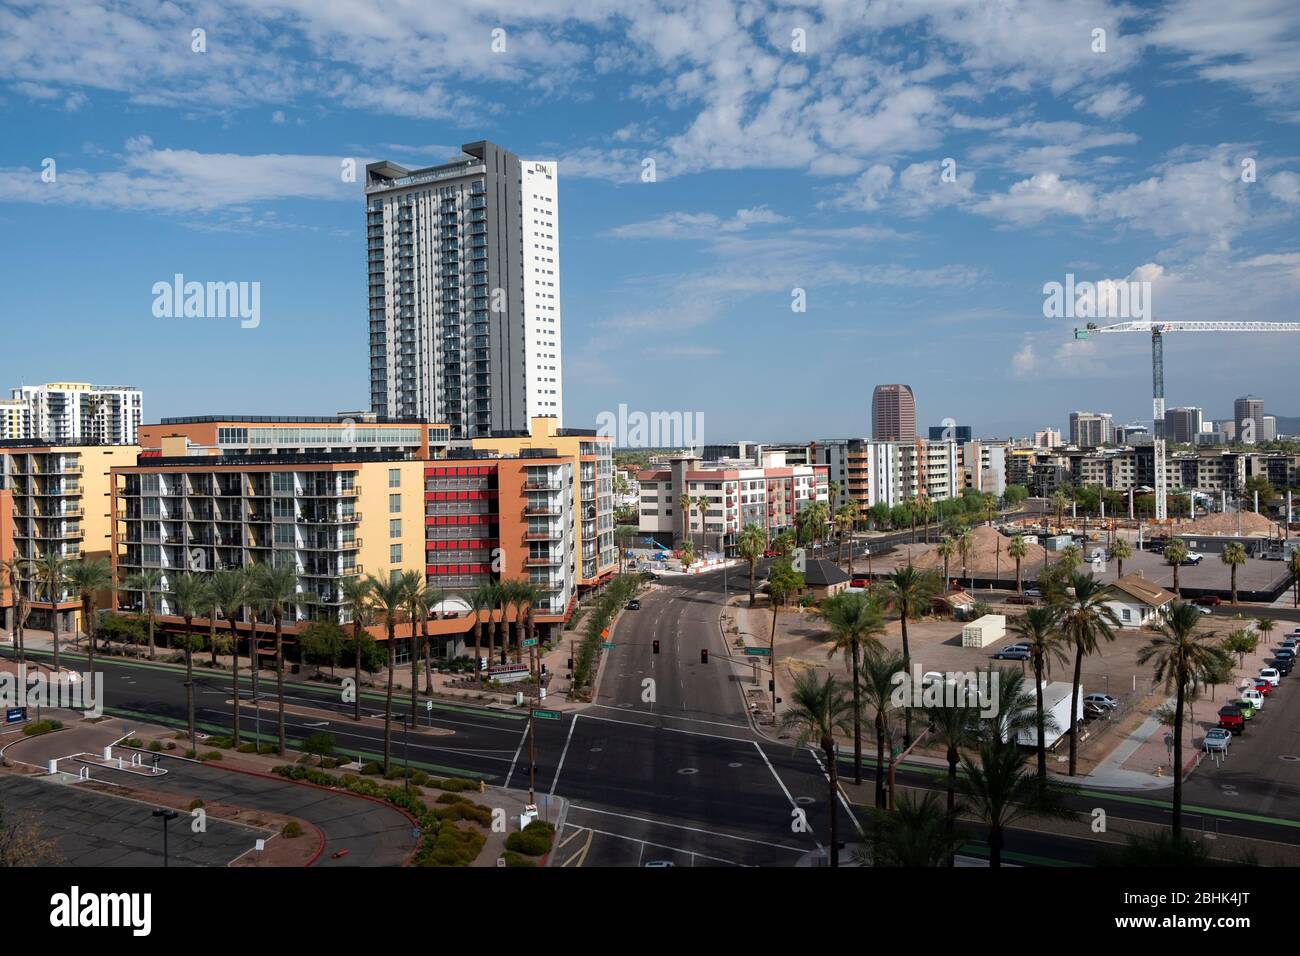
<point x="277" y="434"/>
<point x="59" y="504"/>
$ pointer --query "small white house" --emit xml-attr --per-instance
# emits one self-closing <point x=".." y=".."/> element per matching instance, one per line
<point x="1136" y="601"/>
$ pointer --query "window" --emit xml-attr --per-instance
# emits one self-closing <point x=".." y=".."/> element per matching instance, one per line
<point x="394" y="477"/>
<point x="395" y="528"/>
<point x="394" y="554"/>
<point x="394" y="504"/>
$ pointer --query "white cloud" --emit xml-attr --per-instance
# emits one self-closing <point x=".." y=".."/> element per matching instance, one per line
<point x="1113" y="102"/>
<point x="1025" y="360"/>
<point x="1031" y="200"/>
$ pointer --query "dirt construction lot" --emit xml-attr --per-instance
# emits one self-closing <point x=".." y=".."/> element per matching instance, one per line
<point x="803" y="641"/>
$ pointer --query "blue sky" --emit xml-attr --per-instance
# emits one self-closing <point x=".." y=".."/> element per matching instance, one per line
<point x="776" y="169"/>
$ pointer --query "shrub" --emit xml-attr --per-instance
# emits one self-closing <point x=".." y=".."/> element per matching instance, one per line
<point x="196" y="804"/>
<point x="457" y="784"/>
<point x="450" y="846"/>
<point x="41" y="727"/>
<point x="133" y="742"/>
<point x="247" y="748"/>
<point x="514" y="859"/>
<point x="223" y="742"/>
<point x="211" y="755"/>
<point x="155" y="745"/>
<point x="371" y="767"/>
<point x="291" y="830"/>
<point x="532" y="840"/>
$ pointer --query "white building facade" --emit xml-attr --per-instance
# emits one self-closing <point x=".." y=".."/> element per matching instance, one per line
<point x="73" y="412"/>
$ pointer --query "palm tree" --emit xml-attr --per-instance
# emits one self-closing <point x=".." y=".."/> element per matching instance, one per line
<point x="855" y="620"/>
<point x="1183" y="660"/>
<point x="275" y="590"/>
<point x="910" y="592"/>
<point x="88" y="577"/>
<point x="954" y="727"/>
<point x="149" y="583"/>
<point x="1176" y="554"/>
<point x="527" y="596"/>
<point x="1085" y="619"/>
<point x="1039" y="627"/>
<point x="1059" y="500"/>
<point x="846" y="515"/>
<point x="389" y="600"/>
<point x="998" y="791"/>
<point x="817" y="710"/>
<point x="1018" y="549"/>
<point x="189" y="594"/>
<point x="914" y="834"/>
<point x="946" y="548"/>
<point x="702" y="506"/>
<point x="432" y="598"/>
<point x="52" y="574"/>
<point x="964" y="544"/>
<point x="1070" y="559"/>
<point x="357" y="592"/>
<point x="751" y="543"/>
<point x="878" y="670"/>
<point x="685" y="503"/>
<point x="782" y="581"/>
<point x="1234" y="556"/>
<point x="482" y="599"/>
<point x="416" y="609"/>
<point x="16" y="570"/>
<point x="1121" y="551"/>
<point x="230" y="594"/>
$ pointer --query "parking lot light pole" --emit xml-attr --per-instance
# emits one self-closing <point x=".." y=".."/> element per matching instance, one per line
<point x="167" y="816"/>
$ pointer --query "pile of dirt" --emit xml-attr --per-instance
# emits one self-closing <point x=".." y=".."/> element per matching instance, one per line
<point x="1249" y="523"/>
<point x="987" y="555"/>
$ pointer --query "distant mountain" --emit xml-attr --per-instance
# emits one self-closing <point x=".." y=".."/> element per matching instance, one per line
<point x="1288" y="424"/>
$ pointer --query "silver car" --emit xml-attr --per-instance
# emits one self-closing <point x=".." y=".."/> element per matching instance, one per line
<point x="1217" y="739"/>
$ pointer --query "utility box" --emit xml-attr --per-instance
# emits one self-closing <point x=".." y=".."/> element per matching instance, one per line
<point x="984" y="631"/>
<point x="1058" y="542"/>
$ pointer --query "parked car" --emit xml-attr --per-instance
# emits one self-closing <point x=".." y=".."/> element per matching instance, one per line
<point x="1289" y="644"/>
<point x="1283" y="665"/>
<point x="1247" y="708"/>
<point x="1216" y="738"/>
<point x="634" y="605"/>
<point x="1271" y="674"/>
<point x="859" y="581"/>
<point x="769" y="553"/>
<point x="1091" y="710"/>
<point x="1232" y="719"/>
<point x="1209" y="600"/>
<point x="1254" y="696"/>
<point x="1265" y="687"/>
<point x="1021" y="599"/>
<point x="1033" y="593"/>
<point x="1012" y="654"/>
<point x="1284" y="653"/>
<point x="1104" y="700"/>
<point x="1202" y="609"/>
<point x="1194" y="557"/>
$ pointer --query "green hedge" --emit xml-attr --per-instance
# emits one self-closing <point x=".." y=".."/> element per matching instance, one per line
<point x="617" y="593"/>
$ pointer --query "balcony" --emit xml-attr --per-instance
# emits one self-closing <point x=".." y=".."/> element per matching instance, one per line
<point x="541" y="561"/>
<point x="542" y="485"/>
<point x="554" y="534"/>
<point x="541" y="511"/>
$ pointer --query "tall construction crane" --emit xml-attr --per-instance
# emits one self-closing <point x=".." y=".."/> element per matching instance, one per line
<point x="1157" y="331"/>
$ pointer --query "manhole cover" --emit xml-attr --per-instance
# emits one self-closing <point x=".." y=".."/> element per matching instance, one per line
<point x="735" y="765"/>
<point x="597" y="750"/>
<point x="804" y="801"/>
<point x="687" y="771"/>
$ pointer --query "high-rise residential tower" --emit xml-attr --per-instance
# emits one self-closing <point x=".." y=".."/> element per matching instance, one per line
<point x="1091" y="429"/>
<point x="893" y="413"/>
<point x="73" y="412"/>
<point x="465" y="291"/>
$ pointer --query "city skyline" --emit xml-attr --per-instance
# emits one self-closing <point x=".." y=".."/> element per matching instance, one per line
<point x="915" y="213"/>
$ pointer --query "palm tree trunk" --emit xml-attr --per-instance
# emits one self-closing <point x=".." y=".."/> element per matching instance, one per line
<point x="857" y="720"/>
<point x="1019" y="587"/>
<point x="771" y="654"/>
<point x="279" y="682"/>
<point x="189" y="683"/>
<point x="995" y="846"/>
<point x="1038" y="717"/>
<point x="492" y="641"/>
<point x="212" y="637"/>
<point x="478" y="647"/>
<point x="753" y="568"/>
<point x="152" y="645"/>
<point x="828" y="746"/>
<point x="950" y="821"/>
<point x="388" y="701"/>
<point x="880" y="761"/>
<point x="90" y="634"/>
<point x="1074" y="724"/>
<point x="1234" y="585"/>
<point x="356" y="668"/>
<point x="234" y="678"/>
<point x="907" y="669"/>
<point x="1177" y="822"/>
<point x="54" y="615"/>
<point x="415" y="666"/>
<point x="428" y="656"/>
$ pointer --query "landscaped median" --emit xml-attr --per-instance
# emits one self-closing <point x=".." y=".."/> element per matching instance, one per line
<point x="597" y="617"/>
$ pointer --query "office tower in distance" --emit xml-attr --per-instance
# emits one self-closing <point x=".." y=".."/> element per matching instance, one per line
<point x="1089" y="429"/>
<point x="464" y="291"/>
<point x="958" y="433"/>
<point x="1182" y="424"/>
<point x="893" y="413"/>
<point x="1248" y="417"/>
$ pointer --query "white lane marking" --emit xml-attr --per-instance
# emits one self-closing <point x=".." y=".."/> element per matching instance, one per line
<point x="672" y="849"/>
<point x="838" y="791"/>
<point x="670" y="730"/>
<point x="781" y="783"/>
<point x="564" y="753"/>
<point x="522" y="737"/>
<point x="680" y="826"/>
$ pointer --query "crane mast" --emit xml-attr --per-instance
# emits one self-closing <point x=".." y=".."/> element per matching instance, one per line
<point x="1157" y="330"/>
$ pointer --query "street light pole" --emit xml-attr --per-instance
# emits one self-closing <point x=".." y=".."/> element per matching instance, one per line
<point x="167" y="816"/>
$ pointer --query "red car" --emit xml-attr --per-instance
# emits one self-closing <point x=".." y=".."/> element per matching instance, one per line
<point x="859" y="581"/>
<point x="1209" y="600"/>
<point x="1263" y="686"/>
<point x="1230" y="719"/>
<point x="769" y="553"/>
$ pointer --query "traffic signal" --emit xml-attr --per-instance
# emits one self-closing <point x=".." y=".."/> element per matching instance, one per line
<point x="656" y="647"/>
<point x="704" y="655"/>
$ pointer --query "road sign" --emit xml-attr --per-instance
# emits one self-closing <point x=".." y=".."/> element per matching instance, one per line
<point x="428" y="705"/>
<point x="607" y="645"/>
<point x="758" y="652"/>
<point x="530" y="642"/>
<point x="547" y="714"/>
